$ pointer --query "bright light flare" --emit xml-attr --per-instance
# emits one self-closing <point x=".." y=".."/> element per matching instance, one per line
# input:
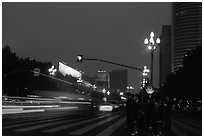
<point x="158" y="41"/>
<point x="146" y="41"/>
<point x="151" y="40"/>
<point x="152" y="34"/>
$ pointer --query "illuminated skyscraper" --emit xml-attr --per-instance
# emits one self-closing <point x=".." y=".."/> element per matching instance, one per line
<point x="186" y="30"/>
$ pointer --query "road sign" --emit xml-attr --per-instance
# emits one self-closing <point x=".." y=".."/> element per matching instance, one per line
<point x="149" y="89"/>
<point x="36" y="72"/>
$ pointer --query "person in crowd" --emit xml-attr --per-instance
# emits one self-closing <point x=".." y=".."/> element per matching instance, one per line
<point x="167" y="114"/>
<point x="149" y="113"/>
<point x="130" y="113"/>
<point x="138" y="113"/>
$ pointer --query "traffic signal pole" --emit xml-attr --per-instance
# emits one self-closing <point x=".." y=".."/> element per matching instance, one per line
<point x="139" y="69"/>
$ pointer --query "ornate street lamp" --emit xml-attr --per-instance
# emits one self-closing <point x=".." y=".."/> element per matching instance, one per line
<point x="151" y="45"/>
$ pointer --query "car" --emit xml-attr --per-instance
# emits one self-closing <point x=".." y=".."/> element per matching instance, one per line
<point x="106" y="107"/>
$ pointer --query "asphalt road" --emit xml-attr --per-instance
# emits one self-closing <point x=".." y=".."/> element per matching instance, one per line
<point x="85" y="123"/>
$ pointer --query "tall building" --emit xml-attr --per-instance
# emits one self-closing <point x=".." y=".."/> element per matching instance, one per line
<point x="118" y="80"/>
<point x="102" y="79"/>
<point x="165" y="53"/>
<point x="187" y="29"/>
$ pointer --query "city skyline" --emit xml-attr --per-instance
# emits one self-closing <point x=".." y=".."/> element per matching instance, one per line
<point x="109" y="31"/>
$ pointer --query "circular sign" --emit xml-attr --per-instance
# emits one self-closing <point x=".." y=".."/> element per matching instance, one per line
<point x="36" y="71"/>
<point x="149" y="89"/>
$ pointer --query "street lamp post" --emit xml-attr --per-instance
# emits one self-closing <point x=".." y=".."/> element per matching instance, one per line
<point x="52" y="70"/>
<point x="144" y="80"/>
<point x="151" y="46"/>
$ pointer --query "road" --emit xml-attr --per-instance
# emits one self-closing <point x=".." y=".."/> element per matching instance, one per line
<point x="82" y="123"/>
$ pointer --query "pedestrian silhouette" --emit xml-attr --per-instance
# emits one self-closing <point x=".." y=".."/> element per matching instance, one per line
<point x="167" y="114"/>
<point x="130" y="113"/>
<point x="138" y="113"/>
<point x="149" y="114"/>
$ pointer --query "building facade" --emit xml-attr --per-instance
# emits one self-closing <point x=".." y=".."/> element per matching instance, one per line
<point x="186" y="30"/>
<point x="165" y="54"/>
<point x="118" y="80"/>
<point x="102" y="79"/>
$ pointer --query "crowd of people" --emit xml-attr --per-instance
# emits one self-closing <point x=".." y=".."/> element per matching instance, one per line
<point x="149" y="116"/>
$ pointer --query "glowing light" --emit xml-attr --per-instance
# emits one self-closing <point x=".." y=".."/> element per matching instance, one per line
<point x="151" y="40"/>
<point x="146" y="41"/>
<point x="79" y="80"/>
<point x="150" y="90"/>
<point x="81" y="98"/>
<point x="121" y="93"/>
<point x="108" y="93"/>
<point x="50" y="70"/>
<point x="104" y="90"/>
<point x="67" y="70"/>
<point x="123" y="98"/>
<point x="158" y="41"/>
<point x="105" y="108"/>
<point x="152" y="34"/>
<point x="149" y="47"/>
<point x="55" y="70"/>
<point x="79" y="58"/>
<point x="131" y="87"/>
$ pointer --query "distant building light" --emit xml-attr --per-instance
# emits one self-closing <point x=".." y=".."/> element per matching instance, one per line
<point x="81" y="98"/>
<point x="104" y="90"/>
<point x="121" y="93"/>
<point x="101" y="71"/>
<point x="79" y="80"/>
<point x="55" y="70"/>
<point x="123" y="98"/>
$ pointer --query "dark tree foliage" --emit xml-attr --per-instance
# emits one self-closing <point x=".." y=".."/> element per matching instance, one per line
<point x="186" y="83"/>
<point x="15" y="70"/>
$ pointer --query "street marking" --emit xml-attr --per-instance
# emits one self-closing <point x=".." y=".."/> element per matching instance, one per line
<point x="40" y="126"/>
<point x="87" y="128"/>
<point x="178" y="131"/>
<point x="30" y="123"/>
<point x="56" y="129"/>
<point x="190" y="123"/>
<point x="108" y="131"/>
<point x="191" y="129"/>
<point x="46" y="125"/>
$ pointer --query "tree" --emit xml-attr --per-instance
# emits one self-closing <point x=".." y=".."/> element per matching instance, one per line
<point x="187" y="81"/>
<point x="16" y="71"/>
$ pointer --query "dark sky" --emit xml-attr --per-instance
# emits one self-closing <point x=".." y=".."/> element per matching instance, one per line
<point x="109" y="31"/>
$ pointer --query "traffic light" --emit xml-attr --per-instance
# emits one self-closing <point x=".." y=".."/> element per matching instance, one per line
<point x="79" y="58"/>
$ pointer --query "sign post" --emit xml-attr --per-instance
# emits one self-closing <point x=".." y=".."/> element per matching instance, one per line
<point x="150" y="90"/>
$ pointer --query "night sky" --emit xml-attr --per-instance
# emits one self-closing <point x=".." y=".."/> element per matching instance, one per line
<point x="109" y="31"/>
